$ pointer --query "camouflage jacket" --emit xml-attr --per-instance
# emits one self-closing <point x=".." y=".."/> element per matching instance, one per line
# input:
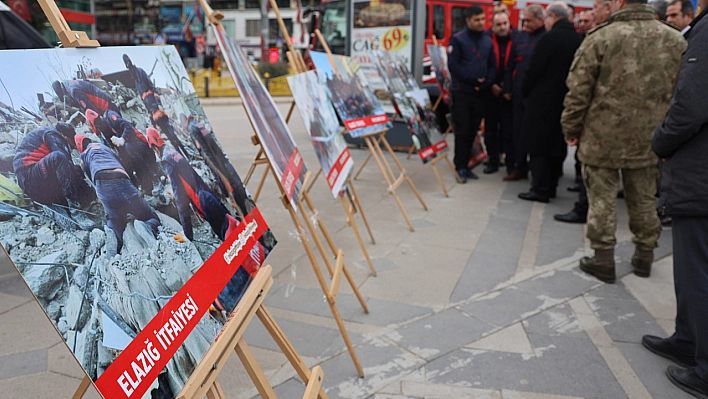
<point x="620" y="85"/>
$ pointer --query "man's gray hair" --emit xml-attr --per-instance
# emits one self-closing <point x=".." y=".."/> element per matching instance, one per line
<point x="536" y="10"/>
<point x="558" y="10"/>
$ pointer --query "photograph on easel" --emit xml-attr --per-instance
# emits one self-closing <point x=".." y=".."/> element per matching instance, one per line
<point x="320" y="119"/>
<point x="269" y="124"/>
<point x="356" y="106"/>
<point x="122" y="213"/>
<point x="438" y="57"/>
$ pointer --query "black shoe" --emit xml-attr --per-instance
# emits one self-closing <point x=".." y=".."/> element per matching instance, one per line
<point x="533" y="196"/>
<point x="515" y="175"/>
<point x="688" y="380"/>
<point x="462" y="174"/>
<point x="491" y="169"/>
<point x="571" y="217"/>
<point x="472" y="175"/>
<point x="575" y="188"/>
<point x="664" y="348"/>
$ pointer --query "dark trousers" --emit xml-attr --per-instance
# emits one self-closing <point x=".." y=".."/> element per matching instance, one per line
<point x="54" y="180"/>
<point x="166" y="128"/>
<point x="467" y="114"/>
<point x="546" y="171"/>
<point x="691" y="284"/>
<point x="143" y="163"/>
<point x="120" y="198"/>
<point x="499" y="132"/>
<point x="226" y="173"/>
<point x="521" y="163"/>
<point x="214" y="213"/>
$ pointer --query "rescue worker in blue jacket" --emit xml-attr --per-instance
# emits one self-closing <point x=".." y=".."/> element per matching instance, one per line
<point x="131" y="145"/>
<point x="45" y="171"/>
<point x="151" y="98"/>
<point x="117" y="194"/>
<point x="84" y="95"/>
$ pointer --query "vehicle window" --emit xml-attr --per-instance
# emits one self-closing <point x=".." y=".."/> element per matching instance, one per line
<point x="427" y="21"/>
<point x="458" y="19"/>
<point x="439" y="22"/>
<point x="334" y="24"/>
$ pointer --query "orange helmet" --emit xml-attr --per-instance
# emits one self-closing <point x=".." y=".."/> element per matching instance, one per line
<point x="91" y="116"/>
<point x="154" y="138"/>
<point x="79" y="141"/>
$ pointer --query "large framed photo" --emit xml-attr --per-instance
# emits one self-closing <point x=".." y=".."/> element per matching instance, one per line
<point x="269" y="124"/>
<point x="122" y="213"/>
<point x="438" y="57"/>
<point x="356" y="105"/>
<point x="320" y="119"/>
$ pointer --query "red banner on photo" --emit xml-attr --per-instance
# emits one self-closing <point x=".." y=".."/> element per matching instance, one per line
<point x="291" y="174"/>
<point x="433" y="150"/>
<point x="336" y="170"/>
<point x="366" y="121"/>
<point x="137" y="367"/>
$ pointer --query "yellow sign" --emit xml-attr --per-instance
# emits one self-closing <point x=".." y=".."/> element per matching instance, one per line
<point x="395" y="39"/>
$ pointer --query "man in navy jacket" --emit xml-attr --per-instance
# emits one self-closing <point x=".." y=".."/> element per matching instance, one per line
<point x="473" y="69"/>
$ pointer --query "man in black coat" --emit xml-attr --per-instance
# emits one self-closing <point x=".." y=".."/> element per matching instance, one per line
<point x="681" y="141"/>
<point x="544" y="89"/>
<point x="519" y="60"/>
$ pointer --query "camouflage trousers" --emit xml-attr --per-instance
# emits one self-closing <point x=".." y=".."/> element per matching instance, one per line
<point x="640" y="187"/>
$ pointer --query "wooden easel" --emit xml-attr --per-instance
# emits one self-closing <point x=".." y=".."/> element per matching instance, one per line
<point x="331" y="292"/>
<point x="203" y="380"/>
<point x="373" y="143"/>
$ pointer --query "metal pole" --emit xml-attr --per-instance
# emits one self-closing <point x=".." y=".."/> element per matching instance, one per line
<point x="419" y="22"/>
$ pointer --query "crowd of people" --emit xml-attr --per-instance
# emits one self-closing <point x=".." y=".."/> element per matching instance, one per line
<point x="624" y="83"/>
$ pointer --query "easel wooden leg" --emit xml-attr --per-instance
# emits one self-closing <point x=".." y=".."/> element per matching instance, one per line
<point x="321" y="249"/>
<point x="83" y="387"/>
<point x="403" y="171"/>
<point x="254" y="370"/>
<point x="437" y="173"/>
<point x="215" y="392"/>
<point x="290" y="112"/>
<point x="364" y="163"/>
<point x="260" y="183"/>
<point x="352" y="222"/>
<point x="410" y="151"/>
<point x="314" y="179"/>
<point x="354" y="198"/>
<point x="452" y="168"/>
<point x="323" y="284"/>
<point x="376" y="152"/>
<point x="315" y="384"/>
<point x="287" y="348"/>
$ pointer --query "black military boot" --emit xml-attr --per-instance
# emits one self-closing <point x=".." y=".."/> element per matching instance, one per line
<point x="602" y="265"/>
<point x="642" y="260"/>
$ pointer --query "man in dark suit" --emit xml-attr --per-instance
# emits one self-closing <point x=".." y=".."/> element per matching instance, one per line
<point x="544" y="89"/>
<point x="681" y="141"/>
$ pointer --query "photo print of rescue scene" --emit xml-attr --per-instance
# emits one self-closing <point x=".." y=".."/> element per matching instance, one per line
<point x="114" y="193"/>
<point x="356" y="105"/>
<point x="320" y="120"/>
<point x="269" y="124"/>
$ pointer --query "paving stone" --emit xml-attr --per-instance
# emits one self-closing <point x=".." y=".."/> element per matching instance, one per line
<point x="625" y="249"/>
<point x="18" y="364"/>
<point x="503" y="235"/>
<point x="558" y="320"/>
<point x="560" y="284"/>
<point x="483" y="272"/>
<point x="512" y="339"/>
<point x="438" y="334"/>
<point x="61" y="361"/>
<point x="382" y="361"/>
<point x="15" y="285"/>
<point x="612" y="291"/>
<point x="558" y="240"/>
<point x="513" y="208"/>
<point x="574" y="367"/>
<point x="502" y="308"/>
<point x="651" y="370"/>
<point x="308" y="340"/>
<point x="383" y="264"/>
<point x="6" y="266"/>
<point x="421" y="223"/>
<point x="387" y="313"/>
<point x="427" y="390"/>
<point x="14" y="339"/>
<point x="312" y="301"/>
<point x="624" y="320"/>
<point x="46" y="385"/>
<point x="8" y="302"/>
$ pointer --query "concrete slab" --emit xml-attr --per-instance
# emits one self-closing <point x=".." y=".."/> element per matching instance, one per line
<point x="651" y="370"/>
<point x="556" y="321"/>
<point x="624" y="320"/>
<point x="25" y="363"/>
<point x="512" y="339"/>
<point x="17" y="340"/>
<point x="502" y="308"/>
<point x="483" y="272"/>
<point x="436" y="335"/>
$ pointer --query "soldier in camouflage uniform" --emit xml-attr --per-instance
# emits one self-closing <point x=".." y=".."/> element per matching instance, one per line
<point x="620" y="85"/>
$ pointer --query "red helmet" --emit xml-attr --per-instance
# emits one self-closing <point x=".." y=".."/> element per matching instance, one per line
<point x="154" y="138"/>
<point x="91" y="116"/>
<point x="79" y="141"/>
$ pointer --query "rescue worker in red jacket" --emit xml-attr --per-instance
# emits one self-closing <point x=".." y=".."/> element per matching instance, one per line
<point x="45" y="171"/>
<point x="131" y="145"/>
<point x="151" y="98"/>
<point x="117" y="194"/>
<point x="84" y="95"/>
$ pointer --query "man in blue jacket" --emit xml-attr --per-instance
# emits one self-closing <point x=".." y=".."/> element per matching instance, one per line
<point x="473" y="69"/>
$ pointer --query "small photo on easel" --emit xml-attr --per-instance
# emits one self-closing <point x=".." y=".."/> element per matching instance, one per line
<point x="122" y="213"/>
